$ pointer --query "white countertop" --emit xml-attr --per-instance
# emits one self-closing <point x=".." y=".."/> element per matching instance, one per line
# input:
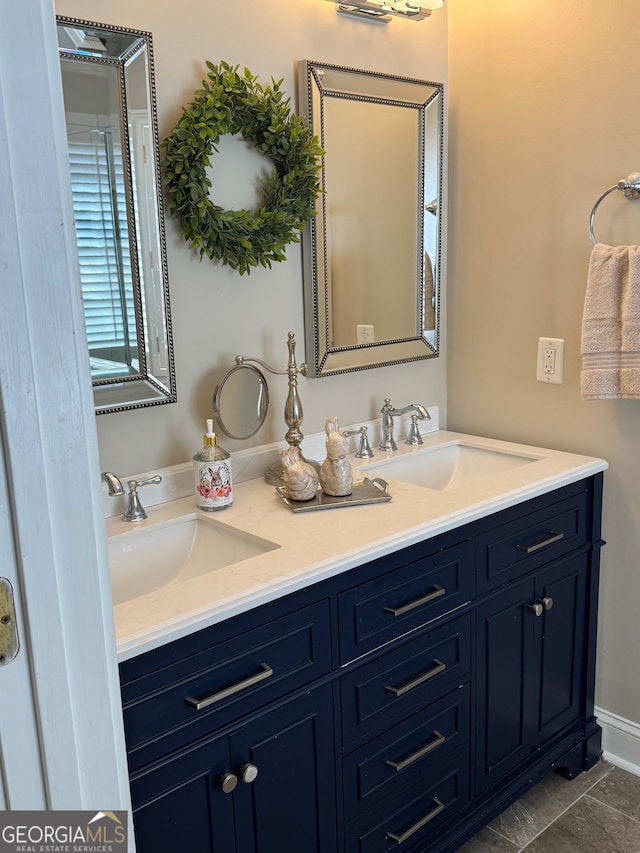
<point x="314" y="546"/>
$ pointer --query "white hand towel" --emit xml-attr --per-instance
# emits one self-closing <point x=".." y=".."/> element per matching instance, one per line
<point x="611" y="325"/>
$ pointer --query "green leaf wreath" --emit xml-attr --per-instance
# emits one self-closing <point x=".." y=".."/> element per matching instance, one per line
<point x="230" y="103"/>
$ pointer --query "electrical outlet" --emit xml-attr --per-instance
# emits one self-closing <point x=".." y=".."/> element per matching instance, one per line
<point x="364" y="333"/>
<point x="550" y="360"/>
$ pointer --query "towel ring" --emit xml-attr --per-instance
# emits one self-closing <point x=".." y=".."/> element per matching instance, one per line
<point x="631" y="189"/>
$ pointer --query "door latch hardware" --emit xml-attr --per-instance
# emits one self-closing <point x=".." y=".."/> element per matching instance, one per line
<point x="9" y="643"/>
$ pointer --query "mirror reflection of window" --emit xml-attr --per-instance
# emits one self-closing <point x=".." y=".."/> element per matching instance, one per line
<point x="103" y="251"/>
<point x="92" y="109"/>
<point x="107" y="81"/>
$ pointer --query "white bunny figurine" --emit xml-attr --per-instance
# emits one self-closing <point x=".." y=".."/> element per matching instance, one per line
<point x="299" y="478"/>
<point x="336" y="476"/>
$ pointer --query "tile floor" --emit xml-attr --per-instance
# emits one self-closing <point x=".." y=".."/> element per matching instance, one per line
<point x="598" y="812"/>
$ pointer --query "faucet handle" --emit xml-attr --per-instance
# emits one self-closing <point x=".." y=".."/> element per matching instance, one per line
<point x="134" y="511"/>
<point x="151" y="481"/>
<point x="414" y="436"/>
<point x="364" y="450"/>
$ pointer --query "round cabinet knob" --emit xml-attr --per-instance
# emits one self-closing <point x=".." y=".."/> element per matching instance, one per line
<point x="537" y="609"/>
<point x="547" y="603"/>
<point x="248" y="773"/>
<point x="228" y="782"/>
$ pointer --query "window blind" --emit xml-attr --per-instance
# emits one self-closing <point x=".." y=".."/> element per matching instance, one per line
<point x="99" y="201"/>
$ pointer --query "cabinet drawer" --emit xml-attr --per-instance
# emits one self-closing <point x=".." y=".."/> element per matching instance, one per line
<point x="418" y="815"/>
<point x="530" y="540"/>
<point x="187" y="700"/>
<point x="389" y="606"/>
<point x="403" y="680"/>
<point x="407" y="754"/>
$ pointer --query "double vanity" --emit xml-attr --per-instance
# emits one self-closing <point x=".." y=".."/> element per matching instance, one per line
<point x="367" y="678"/>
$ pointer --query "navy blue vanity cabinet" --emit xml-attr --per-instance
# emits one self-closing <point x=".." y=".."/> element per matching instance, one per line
<point x="405" y="707"/>
<point x="400" y="705"/>
<point x="531" y="665"/>
<point x="230" y="736"/>
<point x="266" y="786"/>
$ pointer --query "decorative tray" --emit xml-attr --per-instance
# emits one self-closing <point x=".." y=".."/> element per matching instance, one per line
<point x="367" y="491"/>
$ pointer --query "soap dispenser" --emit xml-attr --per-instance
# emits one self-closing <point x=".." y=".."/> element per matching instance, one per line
<point x="212" y="474"/>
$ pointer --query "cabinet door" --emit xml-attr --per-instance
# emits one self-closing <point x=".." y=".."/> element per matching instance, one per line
<point x="291" y="804"/>
<point x="560" y="649"/>
<point x="531" y="665"/>
<point x="505" y="689"/>
<point x="179" y="804"/>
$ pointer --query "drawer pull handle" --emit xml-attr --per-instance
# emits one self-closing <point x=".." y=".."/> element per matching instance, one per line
<point x="529" y="549"/>
<point x="265" y="672"/>
<point x="437" y="740"/>
<point x="438" y="806"/>
<point x="436" y="592"/>
<point x="438" y="667"/>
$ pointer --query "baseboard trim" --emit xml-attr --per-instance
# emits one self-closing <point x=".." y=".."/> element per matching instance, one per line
<point x="620" y="741"/>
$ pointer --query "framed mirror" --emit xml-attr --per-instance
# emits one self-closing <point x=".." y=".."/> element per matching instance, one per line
<point x="372" y="253"/>
<point x="112" y="132"/>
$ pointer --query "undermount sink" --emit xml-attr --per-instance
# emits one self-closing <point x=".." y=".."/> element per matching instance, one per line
<point x="149" y="558"/>
<point x="449" y="466"/>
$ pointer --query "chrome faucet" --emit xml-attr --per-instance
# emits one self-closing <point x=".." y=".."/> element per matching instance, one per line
<point x="388" y="414"/>
<point x="133" y="511"/>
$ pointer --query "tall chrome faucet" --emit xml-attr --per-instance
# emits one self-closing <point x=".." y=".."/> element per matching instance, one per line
<point x="388" y="414"/>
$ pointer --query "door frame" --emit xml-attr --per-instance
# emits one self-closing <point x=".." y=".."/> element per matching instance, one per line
<point x="49" y="434"/>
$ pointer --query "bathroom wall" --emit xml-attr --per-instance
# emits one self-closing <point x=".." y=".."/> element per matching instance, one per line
<point x="216" y="312"/>
<point x="542" y="120"/>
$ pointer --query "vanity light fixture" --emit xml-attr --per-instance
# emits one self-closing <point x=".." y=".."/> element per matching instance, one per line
<point x="384" y="10"/>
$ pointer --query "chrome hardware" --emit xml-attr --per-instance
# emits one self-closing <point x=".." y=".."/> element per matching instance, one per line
<point x="133" y="511"/>
<point x="438" y="806"/>
<point x="113" y="482"/>
<point x="248" y="773"/>
<point x="438" y="740"/>
<point x="9" y="642"/>
<point x="549" y="540"/>
<point x="364" y="450"/>
<point x="630" y="188"/>
<point x="540" y="606"/>
<point x="432" y="207"/>
<point x="436" y="592"/>
<point x="438" y="667"/>
<point x="228" y="782"/>
<point x="388" y="413"/>
<point x="265" y="672"/>
<point x="382" y="11"/>
<point x="292" y="407"/>
<point x="414" y="436"/>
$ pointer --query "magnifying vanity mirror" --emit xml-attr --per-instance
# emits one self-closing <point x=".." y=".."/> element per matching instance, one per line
<point x="241" y="401"/>
<point x="109" y="98"/>
<point x="372" y="253"/>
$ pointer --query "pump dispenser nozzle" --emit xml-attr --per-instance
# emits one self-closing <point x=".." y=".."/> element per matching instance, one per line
<point x="210" y="439"/>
